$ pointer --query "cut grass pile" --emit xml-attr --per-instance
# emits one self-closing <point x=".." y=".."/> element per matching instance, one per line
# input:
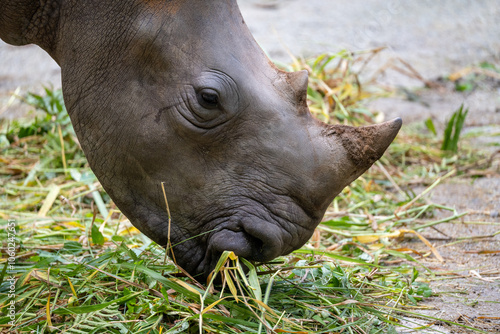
<point x="79" y="266"/>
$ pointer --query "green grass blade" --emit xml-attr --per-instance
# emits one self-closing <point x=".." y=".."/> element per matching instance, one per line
<point x="93" y="308"/>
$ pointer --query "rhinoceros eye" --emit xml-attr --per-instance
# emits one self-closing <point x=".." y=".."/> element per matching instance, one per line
<point x="208" y="98"/>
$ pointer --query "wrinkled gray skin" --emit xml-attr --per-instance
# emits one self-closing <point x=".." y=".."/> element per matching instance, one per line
<point x="179" y="92"/>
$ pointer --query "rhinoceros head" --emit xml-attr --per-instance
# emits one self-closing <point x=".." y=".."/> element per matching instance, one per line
<point x="179" y="93"/>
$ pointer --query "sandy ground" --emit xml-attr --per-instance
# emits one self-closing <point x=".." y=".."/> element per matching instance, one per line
<point x="437" y="38"/>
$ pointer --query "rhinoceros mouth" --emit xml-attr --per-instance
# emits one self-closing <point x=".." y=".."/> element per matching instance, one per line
<point x="241" y="243"/>
<point x="252" y="238"/>
<point x="252" y="241"/>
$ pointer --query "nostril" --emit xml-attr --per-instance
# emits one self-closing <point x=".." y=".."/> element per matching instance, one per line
<point x="257" y="246"/>
<point x="252" y="239"/>
<point x="229" y="240"/>
<point x="266" y="239"/>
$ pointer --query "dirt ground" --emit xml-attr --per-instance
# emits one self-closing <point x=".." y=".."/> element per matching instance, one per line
<point x="468" y="281"/>
<point x="437" y="38"/>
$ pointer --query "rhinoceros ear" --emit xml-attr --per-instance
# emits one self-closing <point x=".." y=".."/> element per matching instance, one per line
<point x="30" y="21"/>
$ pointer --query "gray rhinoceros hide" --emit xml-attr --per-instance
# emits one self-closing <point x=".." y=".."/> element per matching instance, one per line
<point x="179" y="93"/>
